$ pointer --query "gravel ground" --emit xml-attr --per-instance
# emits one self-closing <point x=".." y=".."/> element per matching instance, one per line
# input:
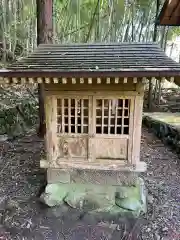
<point x="23" y="217"/>
<point x="163" y="183"/>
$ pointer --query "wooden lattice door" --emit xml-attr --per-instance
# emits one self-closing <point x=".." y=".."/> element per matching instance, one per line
<point x="92" y="128"/>
<point x="73" y="121"/>
<point x="112" y="127"/>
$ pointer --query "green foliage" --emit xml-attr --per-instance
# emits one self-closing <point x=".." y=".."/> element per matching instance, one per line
<point x="173" y="33"/>
<point x="18" y="110"/>
<point x="12" y="123"/>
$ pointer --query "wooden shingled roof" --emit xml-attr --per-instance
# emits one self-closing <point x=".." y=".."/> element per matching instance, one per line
<point x="170" y="13"/>
<point x="95" y="60"/>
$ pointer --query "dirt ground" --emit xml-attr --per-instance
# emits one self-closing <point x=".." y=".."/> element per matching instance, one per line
<point x="24" y="217"/>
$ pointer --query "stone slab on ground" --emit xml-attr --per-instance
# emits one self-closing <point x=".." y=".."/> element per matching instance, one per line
<point x="172" y="119"/>
<point x="166" y="127"/>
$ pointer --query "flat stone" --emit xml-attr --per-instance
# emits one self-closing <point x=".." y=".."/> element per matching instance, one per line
<point x="172" y="119"/>
<point x="166" y="126"/>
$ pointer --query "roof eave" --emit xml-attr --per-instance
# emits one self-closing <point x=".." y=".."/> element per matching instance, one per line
<point x="160" y="19"/>
<point x="161" y="14"/>
<point x="86" y="74"/>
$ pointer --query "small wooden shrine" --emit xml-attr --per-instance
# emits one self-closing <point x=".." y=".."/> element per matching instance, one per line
<point x="93" y="101"/>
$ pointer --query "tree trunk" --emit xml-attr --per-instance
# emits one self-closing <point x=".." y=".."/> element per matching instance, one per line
<point x="155" y="26"/>
<point x="132" y="21"/>
<point x="44" y="35"/>
<point x="163" y="46"/>
<point x="150" y="93"/>
<point x="4" y="31"/>
<point x="88" y="36"/>
<point x="97" y="27"/>
<point x="150" y="98"/>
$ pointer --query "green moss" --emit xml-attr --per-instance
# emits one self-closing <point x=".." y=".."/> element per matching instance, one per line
<point x="54" y="194"/>
<point x="97" y="198"/>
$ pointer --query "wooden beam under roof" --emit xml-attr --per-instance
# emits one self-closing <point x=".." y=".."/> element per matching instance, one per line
<point x="170" y="14"/>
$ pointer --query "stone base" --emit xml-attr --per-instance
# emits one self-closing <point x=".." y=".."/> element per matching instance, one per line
<point x="96" y="197"/>
<point x="102" y="177"/>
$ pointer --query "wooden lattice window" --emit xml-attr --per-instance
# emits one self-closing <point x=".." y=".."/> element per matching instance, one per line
<point x="112" y="116"/>
<point x="72" y="115"/>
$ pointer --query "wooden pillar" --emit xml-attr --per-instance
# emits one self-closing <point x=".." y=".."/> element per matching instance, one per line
<point x="44" y="21"/>
<point x="138" y="110"/>
<point x="51" y="129"/>
<point x="150" y="96"/>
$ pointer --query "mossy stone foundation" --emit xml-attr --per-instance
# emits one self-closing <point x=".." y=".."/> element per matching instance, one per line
<point x="113" y="198"/>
